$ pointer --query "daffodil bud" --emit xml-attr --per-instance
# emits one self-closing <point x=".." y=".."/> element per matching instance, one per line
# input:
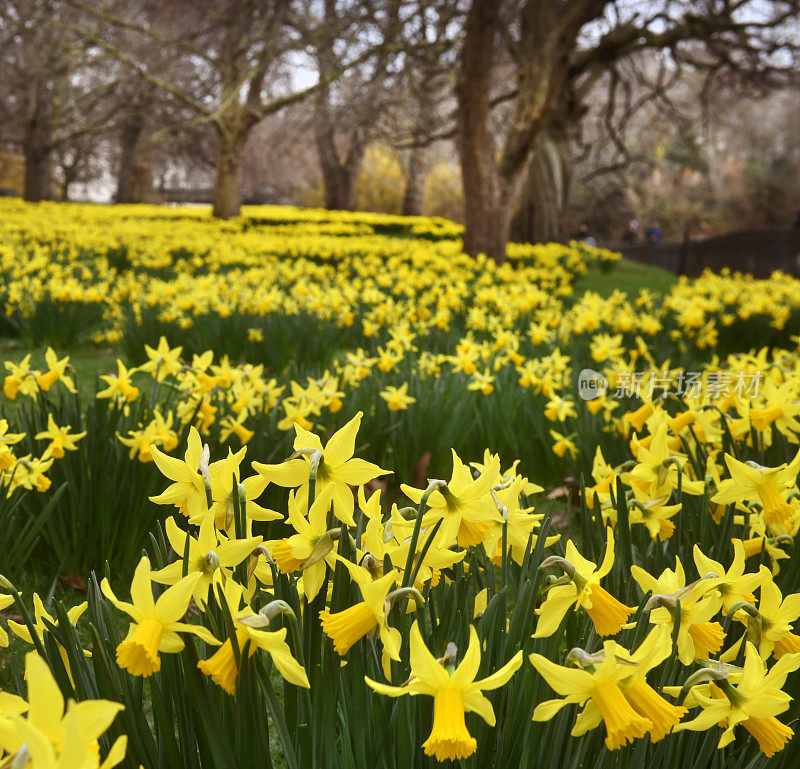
<point x="395" y="595"/>
<point x="450" y="655"/>
<point x="314" y="461"/>
<point x="229" y="512"/>
<point x="21" y="759"/>
<point x="584" y="659"/>
<point x="501" y="508"/>
<point x="718" y="676"/>
<point x="252" y="560"/>
<point x="205" y="458"/>
<point x="229" y="506"/>
<point x="669" y="601"/>
<point x="211" y="562"/>
<point x="371" y="563"/>
<point x="566" y="567"/>
<point x="274" y="608"/>
<point x="5" y="583"/>
<point x="321" y="549"/>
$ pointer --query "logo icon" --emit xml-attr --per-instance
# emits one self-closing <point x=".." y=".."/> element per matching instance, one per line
<point x="591" y="384"/>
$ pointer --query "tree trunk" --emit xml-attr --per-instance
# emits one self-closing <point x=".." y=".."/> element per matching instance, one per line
<point x="415" y="182"/>
<point x="36" y="146"/>
<point x="487" y="220"/>
<point x="338" y="175"/>
<point x="547" y="34"/>
<point x="129" y="142"/>
<point x="37" y="174"/>
<point x="142" y="187"/>
<point x="228" y="185"/>
<point x="63" y="195"/>
<point x="339" y="182"/>
<point x="539" y="212"/>
<point x="486" y="207"/>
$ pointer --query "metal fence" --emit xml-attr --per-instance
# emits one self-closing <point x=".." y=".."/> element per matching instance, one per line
<point x="206" y="195"/>
<point x="756" y="253"/>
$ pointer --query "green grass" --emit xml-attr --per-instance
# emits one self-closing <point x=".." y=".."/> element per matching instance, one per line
<point x="87" y="361"/>
<point x="629" y="277"/>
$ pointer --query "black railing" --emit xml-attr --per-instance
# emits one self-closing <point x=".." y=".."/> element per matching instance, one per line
<point x="206" y="195"/>
<point x="756" y="253"/>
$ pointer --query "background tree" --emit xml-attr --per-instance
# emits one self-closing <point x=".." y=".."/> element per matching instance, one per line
<point x="427" y="93"/>
<point x="239" y="50"/>
<point x="53" y="89"/>
<point x="557" y="49"/>
<point x="349" y="110"/>
<point x="707" y="150"/>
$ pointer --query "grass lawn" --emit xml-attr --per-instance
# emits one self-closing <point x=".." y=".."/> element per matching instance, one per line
<point x="87" y="361"/>
<point x="628" y="277"/>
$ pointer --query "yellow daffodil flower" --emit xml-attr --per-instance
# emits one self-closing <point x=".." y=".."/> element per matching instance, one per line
<point x="733" y="584"/>
<point x="56" y="372"/>
<point x="60" y="438"/>
<point x="156" y="624"/>
<point x="119" y="387"/>
<point x="464" y="503"/>
<point x="397" y="398"/>
<point x="7" y="439"/>
<point x="563" y="444"/>
<point x="162" y="361"/>
<point x="606" y="612"/>
<point x="20" y="379"/>
<point x="698" y="637"/>
<point x="455" y="692"/>
<point x="753" y="703"/>
<point x="222" y="666"/>
<point x="40" y="616"/>
<point x="601" y="685"/>
<point x="5" y="602"/>
<point x="346" y="627"/>
<point x="337" y="468"/>
<point x="55" y="737"/>
<point x="207" y="553"/>
<point x="767" y="485"/>
<point x="311" y="549"/>
<point x="188" y="490"/>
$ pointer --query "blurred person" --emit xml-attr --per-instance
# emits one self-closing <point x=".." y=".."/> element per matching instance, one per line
<point x="630" y="236"/>
<point x="654" y="234"/>
<point x="584" y="236"/>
